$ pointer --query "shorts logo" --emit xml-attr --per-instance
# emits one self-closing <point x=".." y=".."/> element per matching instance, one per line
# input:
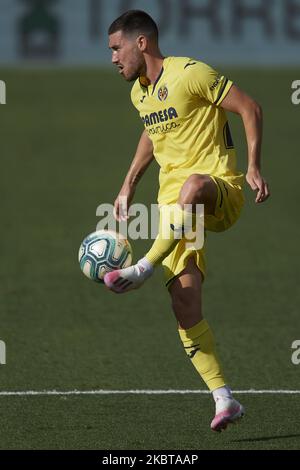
<point x="162" y="93"/>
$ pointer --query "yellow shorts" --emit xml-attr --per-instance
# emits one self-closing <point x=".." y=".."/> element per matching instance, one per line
<point x="229" y="204"/>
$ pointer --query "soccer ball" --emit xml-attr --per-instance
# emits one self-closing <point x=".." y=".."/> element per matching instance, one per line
<point x="102" y="252"/>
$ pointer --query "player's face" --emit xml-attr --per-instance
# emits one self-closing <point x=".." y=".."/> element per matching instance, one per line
<point x="126" y="56"/>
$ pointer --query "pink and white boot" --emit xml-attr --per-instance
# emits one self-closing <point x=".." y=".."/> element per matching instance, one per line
<point x="228" y="411"/>
<point x="124" y="280"/>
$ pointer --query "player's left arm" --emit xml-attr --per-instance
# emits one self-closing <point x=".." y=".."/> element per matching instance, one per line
<point x="238" y="102"/>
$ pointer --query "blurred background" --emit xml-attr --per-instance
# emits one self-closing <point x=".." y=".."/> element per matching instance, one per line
<point x="223" y="31"/>
<point x="68" y="132"/>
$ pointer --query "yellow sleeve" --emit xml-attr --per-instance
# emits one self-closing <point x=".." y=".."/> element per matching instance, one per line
<point x="202" y="80"/>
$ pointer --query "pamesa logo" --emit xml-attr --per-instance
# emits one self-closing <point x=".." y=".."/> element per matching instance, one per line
<point x="160" y="116"/>
<point x="2" y="92"/>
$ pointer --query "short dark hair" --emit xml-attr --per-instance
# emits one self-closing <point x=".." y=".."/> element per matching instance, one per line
<point x="135" y="21"/>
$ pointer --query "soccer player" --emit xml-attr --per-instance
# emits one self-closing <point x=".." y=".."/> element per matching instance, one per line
<point x="182" y="104"/>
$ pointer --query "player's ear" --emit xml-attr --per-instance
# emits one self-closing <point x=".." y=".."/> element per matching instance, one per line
<point x="142" y="42"/>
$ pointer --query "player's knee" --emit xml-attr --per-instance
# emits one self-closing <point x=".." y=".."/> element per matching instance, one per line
<point x="198" y="184"/>
<point x="195" y="189"/>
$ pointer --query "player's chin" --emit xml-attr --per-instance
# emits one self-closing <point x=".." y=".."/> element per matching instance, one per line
<point x="130" y="76"/>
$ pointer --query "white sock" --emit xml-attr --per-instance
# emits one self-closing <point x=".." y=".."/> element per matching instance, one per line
<point x="222" y="392"/>
<point x="146" y="266"/>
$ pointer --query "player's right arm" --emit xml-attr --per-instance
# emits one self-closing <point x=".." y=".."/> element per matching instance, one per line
<point x="142" y="159"/>
<point x="238" y="102"/>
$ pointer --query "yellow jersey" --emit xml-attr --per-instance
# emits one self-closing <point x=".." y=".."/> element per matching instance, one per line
<point x="182" y="116"/>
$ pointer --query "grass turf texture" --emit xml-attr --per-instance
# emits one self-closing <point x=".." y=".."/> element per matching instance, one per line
<point x="67" y="137"/>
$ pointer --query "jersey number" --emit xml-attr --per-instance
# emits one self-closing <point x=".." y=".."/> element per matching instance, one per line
<point x="227" y="137"/>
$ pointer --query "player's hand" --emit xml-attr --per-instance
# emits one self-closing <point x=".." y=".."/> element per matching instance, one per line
<point x="258" y="184"/>
<point x="122" y="203"/>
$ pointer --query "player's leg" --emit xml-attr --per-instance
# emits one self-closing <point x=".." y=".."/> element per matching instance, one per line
<point x="198" y="343"/>
<point x="197" y="189"/>
<point x="186" y="297"/>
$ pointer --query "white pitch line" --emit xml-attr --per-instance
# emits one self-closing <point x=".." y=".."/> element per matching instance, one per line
<point x="140" y="392"/>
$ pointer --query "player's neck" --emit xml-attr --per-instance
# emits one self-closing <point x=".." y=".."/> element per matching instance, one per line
<point x="154" y="65"/>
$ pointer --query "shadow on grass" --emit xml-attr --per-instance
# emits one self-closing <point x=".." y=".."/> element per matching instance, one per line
<point x="267" y="438"/>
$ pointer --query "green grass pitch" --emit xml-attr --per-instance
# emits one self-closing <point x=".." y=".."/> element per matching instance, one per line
<point x="66" y="140"/>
